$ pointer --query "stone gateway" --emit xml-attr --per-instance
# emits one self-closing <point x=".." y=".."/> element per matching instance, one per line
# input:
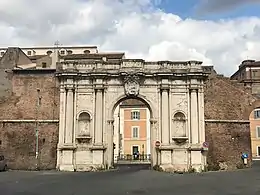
<point x="90" y="92"/>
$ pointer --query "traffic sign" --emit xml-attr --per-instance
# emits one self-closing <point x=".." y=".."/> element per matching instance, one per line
<point x="157" y="143"/>
<point x="244" y="155"/>
<point x="205" y="144"/>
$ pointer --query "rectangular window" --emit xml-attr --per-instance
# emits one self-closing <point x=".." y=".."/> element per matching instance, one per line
<point x="135" y="115"/>
<point x="258" y="132"/>
<point x="258" y="150"/>
<point x="257" y="114"/>
<point x="29" y="53"/>
<point x="135" y="132"/>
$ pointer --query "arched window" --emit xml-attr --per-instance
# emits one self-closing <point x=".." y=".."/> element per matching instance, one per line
<point x="179" y="125"/>
<point x="62" y="52"/>
<point x="49" y="52"/>
<point x="86" y="51"/>
<point x="84" y="124"/>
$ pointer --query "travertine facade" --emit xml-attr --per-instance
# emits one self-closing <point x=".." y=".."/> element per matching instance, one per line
<point x="91" y="90"/>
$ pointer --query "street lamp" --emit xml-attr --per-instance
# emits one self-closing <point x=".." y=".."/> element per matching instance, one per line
<point x="37" y="128"/>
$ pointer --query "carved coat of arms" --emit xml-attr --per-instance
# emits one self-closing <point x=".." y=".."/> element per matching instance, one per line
<point x="132" y="85"/>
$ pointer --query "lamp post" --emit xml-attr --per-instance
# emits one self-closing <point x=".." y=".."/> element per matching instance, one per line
<point x="37" y="129"/>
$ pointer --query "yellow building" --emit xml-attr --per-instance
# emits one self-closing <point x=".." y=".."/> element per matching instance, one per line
<point x="135" y="130"/>
<point x="255" y="133"/>
<point x="132" y="129"/>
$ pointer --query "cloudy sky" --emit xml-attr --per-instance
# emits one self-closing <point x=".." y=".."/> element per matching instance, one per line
<point x="218" y="32"/>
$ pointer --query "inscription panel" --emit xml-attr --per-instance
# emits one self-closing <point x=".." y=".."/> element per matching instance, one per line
<point x="85" y="102"/>
<point x="179" y="102"/>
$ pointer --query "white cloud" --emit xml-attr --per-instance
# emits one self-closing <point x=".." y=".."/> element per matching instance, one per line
<point x="133" y="26"/>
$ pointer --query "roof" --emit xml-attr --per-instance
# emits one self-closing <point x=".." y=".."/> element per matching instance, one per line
<point x="97" y="56"/>
<point x="244" y="64"/>
<point x="36" y="57"/>
<point x="53" y="46"/>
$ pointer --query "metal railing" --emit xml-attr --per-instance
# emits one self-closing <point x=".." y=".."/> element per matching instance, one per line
<point x="133" y="158"/>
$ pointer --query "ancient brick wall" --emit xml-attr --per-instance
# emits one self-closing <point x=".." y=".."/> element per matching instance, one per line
<point x="22" y="104"/>
<point x="18" y="144"/>
<point x="18" y="138"/>
<point x="225" y="102"/>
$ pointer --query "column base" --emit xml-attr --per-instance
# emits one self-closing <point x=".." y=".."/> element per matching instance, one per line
<point x="89" y="168"/>
<point x="197" y="161"/>
<point x="166" y="157"/>
<point x="98" y="157"/>
<point x="180" y="160"/>
<point x="66" y="168"/>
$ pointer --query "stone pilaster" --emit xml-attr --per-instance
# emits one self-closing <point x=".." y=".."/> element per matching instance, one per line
<point x="98" y="147"/>
<point x="69" y="116"/>
<point x="154" y="137"/>
<point x="61" y="122"/>
<point x="110" y="149"/>
<point x="99" y="118"/>
<point x="166" y="158"/>
<point x="194" y="117"/>
<point x="165" y="117"/>
<point x="201" y="115"/>
<point x="67" y="162"/>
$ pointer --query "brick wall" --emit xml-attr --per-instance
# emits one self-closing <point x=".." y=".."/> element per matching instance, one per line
<point x="18" y="139"/>
<point x="227" y="100"/>
<point x="19" y="145"/>
<point x="22" y="103"/>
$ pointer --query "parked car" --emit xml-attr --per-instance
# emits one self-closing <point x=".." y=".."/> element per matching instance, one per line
<point x="3" y="163"/>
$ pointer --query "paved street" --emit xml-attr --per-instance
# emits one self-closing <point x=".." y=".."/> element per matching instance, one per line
<point x="130" y="181"/>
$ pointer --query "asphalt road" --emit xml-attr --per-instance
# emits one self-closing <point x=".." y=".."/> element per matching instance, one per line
<point x="130" y="181"/>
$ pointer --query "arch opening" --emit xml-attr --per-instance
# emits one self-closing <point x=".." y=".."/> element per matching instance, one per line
<point x="139" y="98"/>
<point x="132" y="131"/>
<point x="254" y="119"/>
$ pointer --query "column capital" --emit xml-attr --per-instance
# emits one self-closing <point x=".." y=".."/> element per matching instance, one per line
<point x="99" y="87"/>
<point x="69" y="87"/>
<point x="110" y="121"/>
<point x="62" y="89"/>
<point x="165" y="87"/>
<point x="193" y="89"/>
<point x="153" y="121"/>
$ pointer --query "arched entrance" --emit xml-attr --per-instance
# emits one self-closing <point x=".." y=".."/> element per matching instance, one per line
<point x="90" y="92"/>
<point x="133" y="138"/>
<point x="253" y="114"/>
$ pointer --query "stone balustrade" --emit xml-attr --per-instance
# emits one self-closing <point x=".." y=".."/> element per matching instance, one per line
<point x="133" y="64"/>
